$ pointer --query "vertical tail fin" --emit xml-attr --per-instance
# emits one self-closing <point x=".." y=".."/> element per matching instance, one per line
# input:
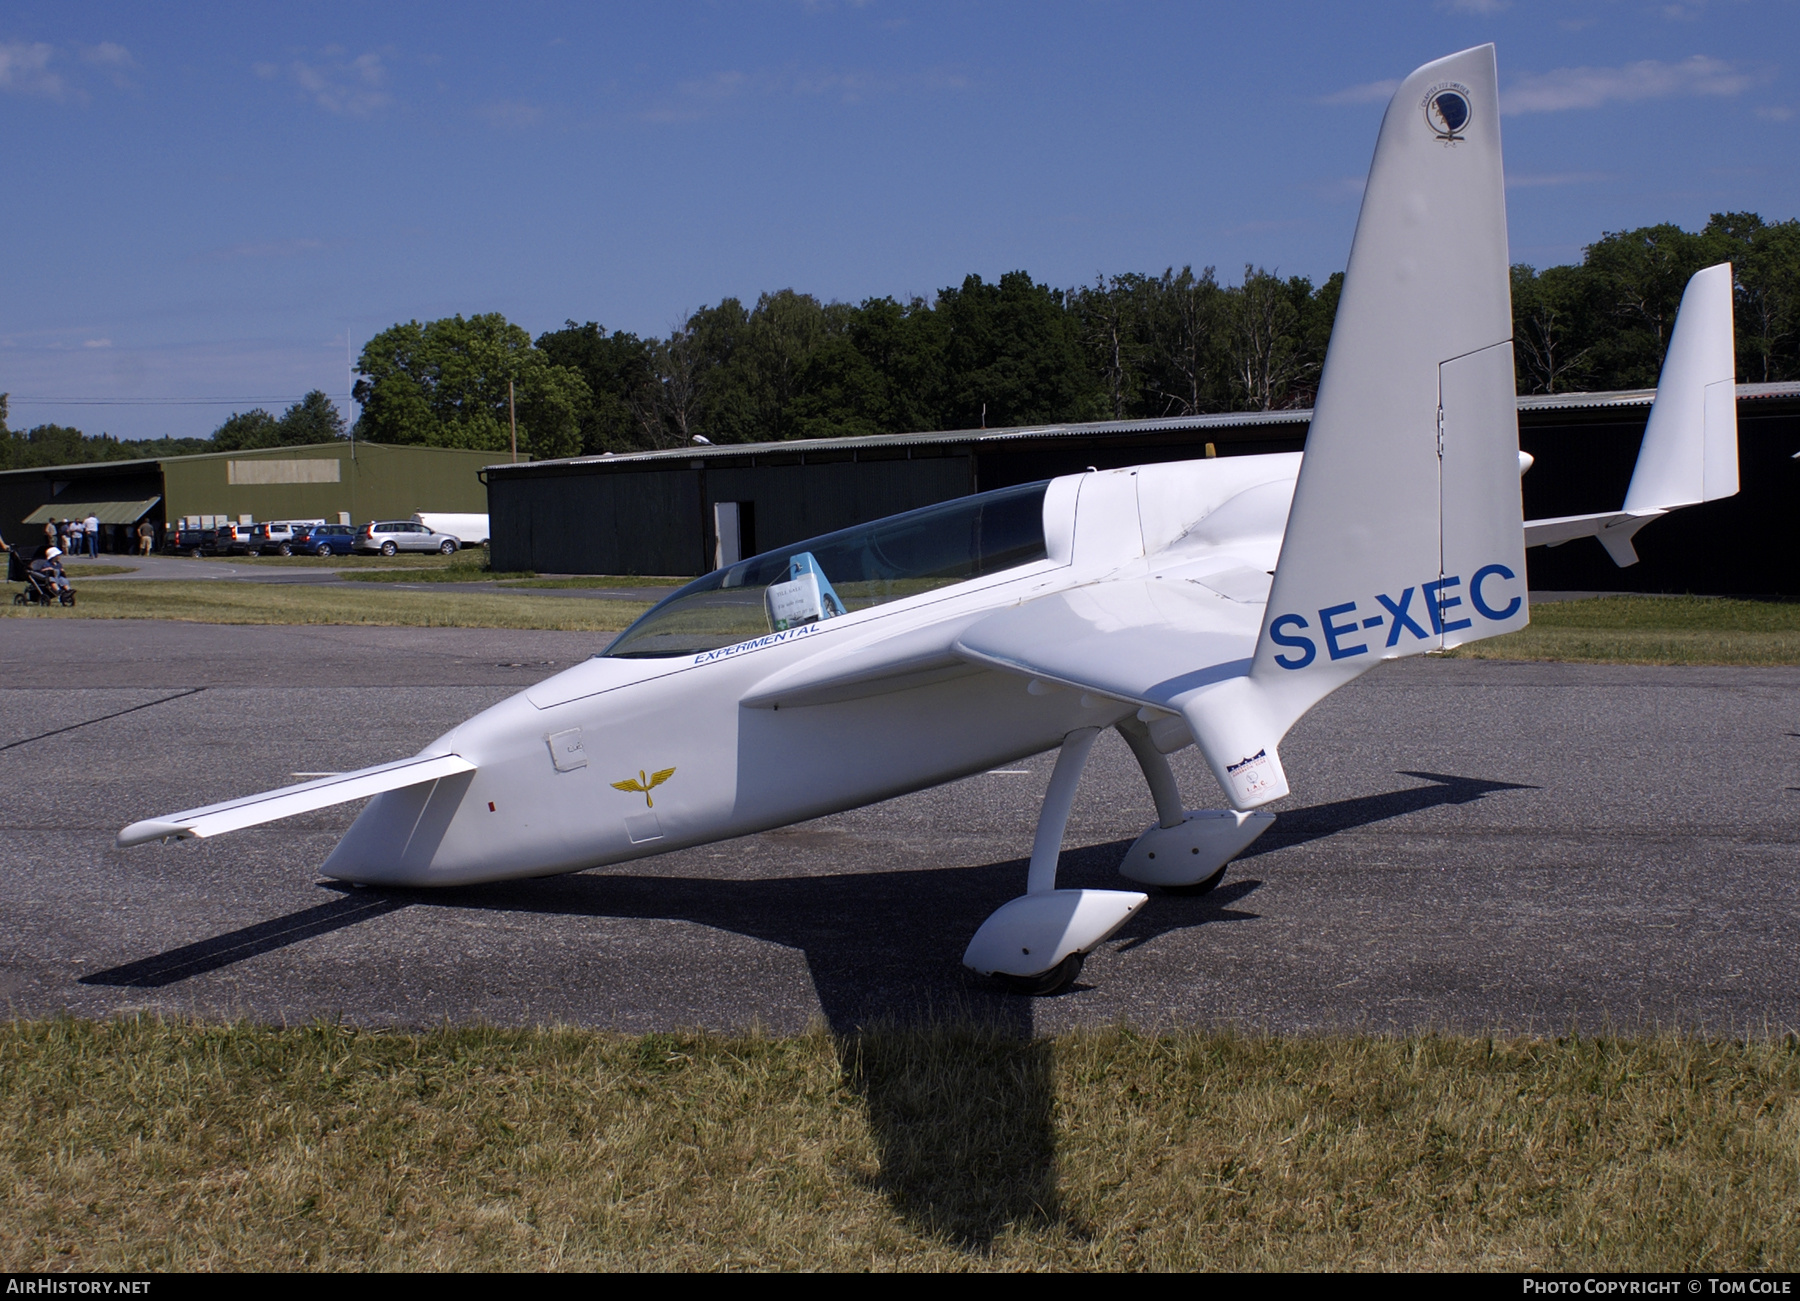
<point x="1405" y="533"/>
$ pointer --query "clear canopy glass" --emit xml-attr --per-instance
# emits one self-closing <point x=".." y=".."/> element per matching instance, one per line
<point x="842" y="572"/>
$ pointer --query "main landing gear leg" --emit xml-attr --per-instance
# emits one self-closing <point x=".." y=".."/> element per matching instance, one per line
<point x="1184" y="853"/>
<point x="1037" y="942"/>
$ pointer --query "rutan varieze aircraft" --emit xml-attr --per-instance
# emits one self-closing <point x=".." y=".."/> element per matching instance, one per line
<point x="1207" y="603"/>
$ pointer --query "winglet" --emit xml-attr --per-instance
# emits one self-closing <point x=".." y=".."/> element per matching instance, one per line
<point x="1689" y="453"/>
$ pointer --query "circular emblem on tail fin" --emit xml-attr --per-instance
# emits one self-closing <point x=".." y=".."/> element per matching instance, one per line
<point x="1447" y="111"/>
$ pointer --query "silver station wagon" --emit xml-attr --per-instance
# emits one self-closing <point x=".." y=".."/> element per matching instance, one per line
<point x="403" y="535"/>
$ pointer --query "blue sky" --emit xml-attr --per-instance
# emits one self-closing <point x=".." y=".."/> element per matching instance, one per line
<point x="206" y="203"/>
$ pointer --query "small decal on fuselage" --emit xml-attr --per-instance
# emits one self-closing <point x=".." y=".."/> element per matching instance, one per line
<point x="760" y="643"/>
<point x="645" y="784"/>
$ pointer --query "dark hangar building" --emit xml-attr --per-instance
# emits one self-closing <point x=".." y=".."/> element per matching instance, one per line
<point x="686" y="511"/>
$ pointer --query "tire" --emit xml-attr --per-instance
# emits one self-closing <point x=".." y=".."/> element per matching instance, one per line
<point x="1198" y="887"/>
<point x="18" y="598"/>
<point x="388" y="548"/>
<point x="67" y="598"/>
<point x="1053" y="981"/>
<point x="194" y="553"/>
<point x="448" y="549"/>
<point x="284" y="550"/>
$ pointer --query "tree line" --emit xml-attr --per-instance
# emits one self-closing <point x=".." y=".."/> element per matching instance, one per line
<point x="1007" y="353"/>
<point x="313" y="419"/>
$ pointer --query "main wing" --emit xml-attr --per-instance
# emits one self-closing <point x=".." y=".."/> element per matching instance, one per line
<point x="1148" y="640"/>
<point x="252" y="810"/>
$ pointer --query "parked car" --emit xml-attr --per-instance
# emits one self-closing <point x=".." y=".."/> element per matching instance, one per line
<point x="191" y="542"/>
<point x="322" y="540"/>
<point x="276" y="538"/>
<point x="403" y="535"/>
<point x="235" y="540"/>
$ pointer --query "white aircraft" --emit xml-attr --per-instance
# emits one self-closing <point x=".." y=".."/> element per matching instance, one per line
<point x="1206" y="603"/>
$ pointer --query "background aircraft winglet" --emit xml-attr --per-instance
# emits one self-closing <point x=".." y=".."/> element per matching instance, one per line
<point x="1689" y="454"/>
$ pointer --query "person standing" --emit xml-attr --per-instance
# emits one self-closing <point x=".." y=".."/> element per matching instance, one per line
<point x="93" y="535"/>
<point x="77" y="531"/>
<point x="146" y="534"/>
<point x="49" y="533"/>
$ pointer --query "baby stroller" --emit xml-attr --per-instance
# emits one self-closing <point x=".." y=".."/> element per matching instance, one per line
<point x="40" y="588"/>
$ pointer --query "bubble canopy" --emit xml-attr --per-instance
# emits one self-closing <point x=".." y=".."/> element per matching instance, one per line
<point x="843" y="572"/>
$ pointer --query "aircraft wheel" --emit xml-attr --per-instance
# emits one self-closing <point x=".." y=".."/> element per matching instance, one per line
<point x="1198" y="887"/>
<point x="1053" y="981"/>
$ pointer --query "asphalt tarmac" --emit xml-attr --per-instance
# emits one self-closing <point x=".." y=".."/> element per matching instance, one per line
<point x="1472" y="845"/>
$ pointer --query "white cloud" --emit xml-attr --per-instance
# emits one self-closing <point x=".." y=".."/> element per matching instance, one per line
<point x="1543" y="179"/>
<point x="698" y="97"/>
<point x="96" y="343"/>
<point x="1342" y="189"/>
<point x="512" y="114"/>
<point x="1775" y="112"/>
<point x="1370" y="92"/>
<point x="108" y="55"/>
<point x="115" y="59"/>
<point x="347" y="87"/>
<point x="25" y="70"/>
<point x="279" y="248"/>
<point x="1482" y="8"/>
<point x="1567" y="88"/>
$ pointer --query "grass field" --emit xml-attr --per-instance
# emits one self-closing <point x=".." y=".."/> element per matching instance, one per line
<point x="216" y="602"/>
<point x="80" y="569"/>
<point x="1606" y="630"/>
<point x="143" y="1144"/>
<point x="1653" y="630"/>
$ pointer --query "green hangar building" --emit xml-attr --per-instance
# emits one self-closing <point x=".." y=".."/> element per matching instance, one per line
<point x="688" y="510"/>
<point x="340" y="482"/>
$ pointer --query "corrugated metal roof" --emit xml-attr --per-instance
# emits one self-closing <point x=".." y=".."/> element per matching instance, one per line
<point x="107" y="512"/>
<point x="1623" y="398"/>
<point x="712" y="450"/>
<point x="145" y="462"/>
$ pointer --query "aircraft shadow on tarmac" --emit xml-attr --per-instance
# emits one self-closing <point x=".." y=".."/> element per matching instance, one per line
<point x="880" y="946"/>
<point x="963" y="1119"/>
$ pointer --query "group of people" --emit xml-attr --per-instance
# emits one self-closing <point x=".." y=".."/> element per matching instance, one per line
<point x="72" y="536"/>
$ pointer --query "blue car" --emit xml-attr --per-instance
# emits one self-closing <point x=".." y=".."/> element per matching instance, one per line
<point x="323" y="540"/>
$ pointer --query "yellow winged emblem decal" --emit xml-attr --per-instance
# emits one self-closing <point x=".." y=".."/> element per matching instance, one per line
<point x="645" y="785"/>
